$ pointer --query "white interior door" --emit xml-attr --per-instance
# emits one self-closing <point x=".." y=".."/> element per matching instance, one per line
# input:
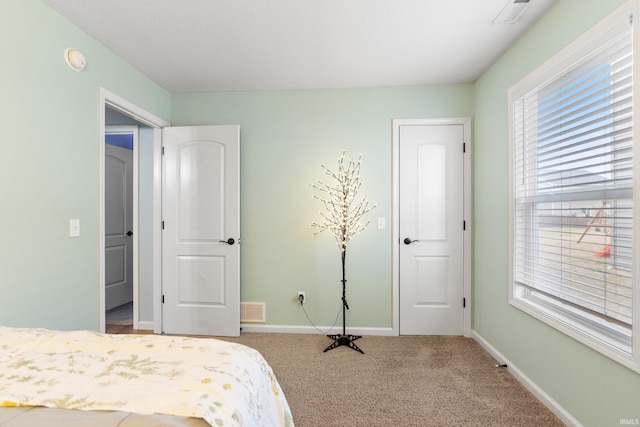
<point x="431" y="246"/>
<point x="118" y="224"/>
<point x="201" y="234"/>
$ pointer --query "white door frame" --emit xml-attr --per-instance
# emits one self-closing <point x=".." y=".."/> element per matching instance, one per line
<point x="115" y="102"/>
<point x="396" y="123"/>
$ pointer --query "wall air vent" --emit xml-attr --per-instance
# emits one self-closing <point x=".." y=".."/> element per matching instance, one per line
<point x="253" y="312"/>
<point x="512" y="12"/>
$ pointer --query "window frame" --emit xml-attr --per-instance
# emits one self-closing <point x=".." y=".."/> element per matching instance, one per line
<point x="591" y="330"/>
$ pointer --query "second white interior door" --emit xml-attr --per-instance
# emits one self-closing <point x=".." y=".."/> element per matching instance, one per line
<point x="431" y="246"/>
<point x="201" y="235"/>
<point x="118" y="220"/>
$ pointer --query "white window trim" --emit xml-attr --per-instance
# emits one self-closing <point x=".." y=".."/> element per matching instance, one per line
<point x="587" y="331"/>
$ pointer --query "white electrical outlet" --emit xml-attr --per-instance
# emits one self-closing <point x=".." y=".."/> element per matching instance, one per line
<point x="301" y="295"/>
<point x="74" y="227"/>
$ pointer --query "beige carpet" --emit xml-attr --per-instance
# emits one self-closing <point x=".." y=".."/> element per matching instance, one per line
<point x="399" y="381"/>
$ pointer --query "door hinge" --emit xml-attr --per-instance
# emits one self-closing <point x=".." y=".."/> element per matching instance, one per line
<point x="163" y="150"/>
<point x="163" y="298"/>
<point x="464" y="302"/>
<point x="464" y="225"/>
<point x="464" y="147"/>
<point x="163" y="225"/>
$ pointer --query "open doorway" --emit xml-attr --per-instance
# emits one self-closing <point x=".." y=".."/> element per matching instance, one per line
<point x="126" y="173"/>
<point x="145" y="224"/>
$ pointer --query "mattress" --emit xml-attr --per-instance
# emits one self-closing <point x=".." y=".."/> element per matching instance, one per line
<point x="51" y="417"/>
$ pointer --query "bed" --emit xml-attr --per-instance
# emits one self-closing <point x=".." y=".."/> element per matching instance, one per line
<point x="84" y="378"/>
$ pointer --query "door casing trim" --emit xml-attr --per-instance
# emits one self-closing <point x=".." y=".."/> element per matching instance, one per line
<point x="466" y="123"/>
<point x="115" y="102"/>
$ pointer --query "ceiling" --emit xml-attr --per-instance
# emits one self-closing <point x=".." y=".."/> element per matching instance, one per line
<point x="231" y="45"/>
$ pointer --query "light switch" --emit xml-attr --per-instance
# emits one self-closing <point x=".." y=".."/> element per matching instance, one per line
<point x="74" y="227"/>
<point x="381" y="223"/>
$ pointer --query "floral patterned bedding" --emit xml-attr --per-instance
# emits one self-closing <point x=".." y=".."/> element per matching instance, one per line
<point x="226" y="384"/>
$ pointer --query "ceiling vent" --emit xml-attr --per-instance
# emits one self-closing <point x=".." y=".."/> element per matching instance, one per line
<point x="253" y="312"/>
<point x="512" y="12"/>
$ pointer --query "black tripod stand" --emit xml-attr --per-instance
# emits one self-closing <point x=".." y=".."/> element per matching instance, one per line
<point x="344" y="339"/>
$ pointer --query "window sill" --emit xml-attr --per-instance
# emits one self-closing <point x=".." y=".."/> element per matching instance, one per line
<point x="613" y="341"/>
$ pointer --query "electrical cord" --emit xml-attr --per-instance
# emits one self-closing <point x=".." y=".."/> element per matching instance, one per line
<point x="318" y="329"/>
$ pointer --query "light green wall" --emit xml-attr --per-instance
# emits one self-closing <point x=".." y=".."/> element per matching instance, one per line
<point x="48" y="171"/>
<point x="597" y="391"/>
<point x="285" y="135"/>
<point x="49" y="164"/>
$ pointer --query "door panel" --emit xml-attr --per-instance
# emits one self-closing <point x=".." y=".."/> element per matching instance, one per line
<point x="201" y="280"/>
<point x="431" y="222"/>
<point x="432" y="281"/>
<point x="118" y="221"/>
<point x="431" y="194"/>
<point x="201" y="206"/>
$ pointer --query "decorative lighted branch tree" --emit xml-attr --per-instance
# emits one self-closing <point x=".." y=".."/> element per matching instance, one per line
<point x="342" y="215"/>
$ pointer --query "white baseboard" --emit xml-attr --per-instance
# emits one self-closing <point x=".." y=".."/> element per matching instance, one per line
<point x="288" y="329"/>
<point x="145" y="325"/>
<point x="547" y="400"/>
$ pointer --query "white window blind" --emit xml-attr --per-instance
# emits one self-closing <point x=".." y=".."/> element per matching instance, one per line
<point x="572" y="187"/>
